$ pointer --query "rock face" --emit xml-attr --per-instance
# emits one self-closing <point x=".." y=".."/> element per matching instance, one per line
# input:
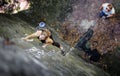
<point x="14" y="62"/>
<point x="30" y="59"/>
<point x="71" y="18"/>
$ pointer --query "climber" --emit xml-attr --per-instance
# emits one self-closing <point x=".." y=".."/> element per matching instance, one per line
<point x="44" y="35"/>
<point x="91" y="52"/>
<point x="107" y="10"/>
<point x="81" y="45"/>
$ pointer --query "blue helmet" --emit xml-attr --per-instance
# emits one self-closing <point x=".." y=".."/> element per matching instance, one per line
<point x="42" y="24"/>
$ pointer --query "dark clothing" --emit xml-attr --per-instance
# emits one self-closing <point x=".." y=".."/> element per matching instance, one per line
<point x="94" y="55"/>
<point x="54" y="43"/>
<point x="43" y="41"/>
<point x="81" y="45"/>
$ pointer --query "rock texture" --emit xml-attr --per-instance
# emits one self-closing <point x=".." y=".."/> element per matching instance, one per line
<point x="23" y="58"/>
<point x="67" y="19"/>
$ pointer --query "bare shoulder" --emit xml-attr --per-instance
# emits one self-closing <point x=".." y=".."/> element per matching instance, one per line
<point x="49" y="40"/>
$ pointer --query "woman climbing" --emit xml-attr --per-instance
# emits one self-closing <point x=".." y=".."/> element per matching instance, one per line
<point x="44" y="35"/>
